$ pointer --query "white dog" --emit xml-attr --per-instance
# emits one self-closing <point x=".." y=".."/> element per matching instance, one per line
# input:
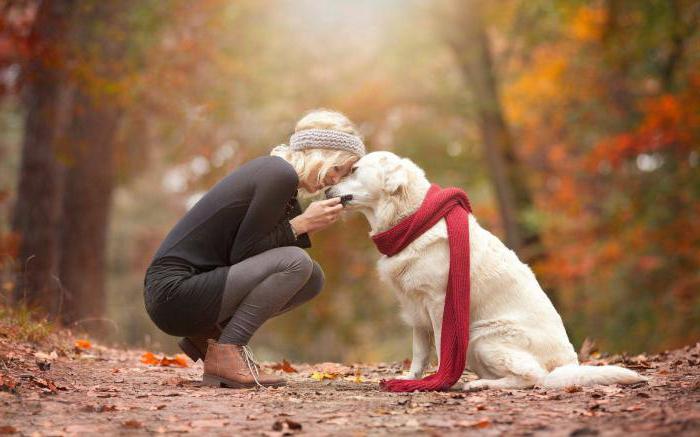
<point x="516" y="337"/>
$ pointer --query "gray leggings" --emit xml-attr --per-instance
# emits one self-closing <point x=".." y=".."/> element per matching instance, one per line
<point x="266" y="285"/>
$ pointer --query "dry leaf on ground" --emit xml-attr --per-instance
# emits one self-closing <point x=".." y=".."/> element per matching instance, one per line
<point x="82" y="344"/>
<point x="152" y="360"/>
<point x="286" y="425"/>
<point x="285" y="366"/>
<point x="320" y="376"/>
<point x="132" y="424"/>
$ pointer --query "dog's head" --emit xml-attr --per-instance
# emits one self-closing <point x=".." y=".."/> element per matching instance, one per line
<point x="377" y="178"/>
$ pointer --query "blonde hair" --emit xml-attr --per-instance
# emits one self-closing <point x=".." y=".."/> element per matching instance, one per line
<point x="304" y="161"/>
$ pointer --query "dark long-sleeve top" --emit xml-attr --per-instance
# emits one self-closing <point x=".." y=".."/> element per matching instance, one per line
<point x="244" y="214"/>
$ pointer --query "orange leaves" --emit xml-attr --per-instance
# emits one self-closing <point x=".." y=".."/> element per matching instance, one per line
<point x="284" y="366"/>
<point x="478" y="424"/>
<point x="668" y="124"/>
<point x="587" y="23"/>
<point x="611" y="251"/>
<point x="543" y="85"/>
<point x="152" y="360"/>
<point x="82" y="345"/>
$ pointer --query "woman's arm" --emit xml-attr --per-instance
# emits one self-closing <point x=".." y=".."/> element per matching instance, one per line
<point x="274" y="186"/>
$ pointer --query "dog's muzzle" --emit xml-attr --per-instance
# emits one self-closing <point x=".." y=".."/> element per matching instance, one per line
<point x="344" y="199"/>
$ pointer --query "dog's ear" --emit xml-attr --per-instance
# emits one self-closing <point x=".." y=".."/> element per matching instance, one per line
<point x="396" y="179"/>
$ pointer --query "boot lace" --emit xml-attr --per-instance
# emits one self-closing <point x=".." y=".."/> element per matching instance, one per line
<point x="252" y="363"/>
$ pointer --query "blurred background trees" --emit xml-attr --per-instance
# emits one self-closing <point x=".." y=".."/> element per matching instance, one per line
<point x="573" y="126"/>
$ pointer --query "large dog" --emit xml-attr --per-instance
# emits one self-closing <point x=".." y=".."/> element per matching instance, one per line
<point x="516" y="337"/>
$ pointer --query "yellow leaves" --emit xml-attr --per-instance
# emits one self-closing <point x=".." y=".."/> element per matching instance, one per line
<point x="152" y="360"/>
<point x="357" y="379"/>
<point x="331" y="371"/>
<point x="541" y="85"/>
<point x="320" y="376"/>
<point x="82" y="345"/>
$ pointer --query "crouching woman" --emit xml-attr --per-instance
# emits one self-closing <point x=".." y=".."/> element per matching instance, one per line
<point x="237" y="258"/>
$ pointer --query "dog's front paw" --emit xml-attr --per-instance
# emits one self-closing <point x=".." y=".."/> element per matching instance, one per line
<point x="410" y="376"/>
<point x="477" y="385"/>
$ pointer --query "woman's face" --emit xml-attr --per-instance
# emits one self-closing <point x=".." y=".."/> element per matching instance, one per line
<point x="333" y="176"/>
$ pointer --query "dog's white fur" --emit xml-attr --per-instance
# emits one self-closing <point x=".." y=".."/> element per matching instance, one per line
<point x="516" y="337"/>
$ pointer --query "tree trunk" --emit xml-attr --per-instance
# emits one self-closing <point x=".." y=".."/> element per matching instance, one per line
<point x="471" y="46"/>
<point x="37" y="210"/>
<point x="101" y="36"/>
<point x="86" y="207"/>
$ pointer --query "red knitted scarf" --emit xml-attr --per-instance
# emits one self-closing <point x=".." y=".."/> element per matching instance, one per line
<point x="453" y="204"/>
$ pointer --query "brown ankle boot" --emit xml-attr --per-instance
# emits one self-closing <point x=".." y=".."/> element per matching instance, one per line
<point x="196" y="347"/>
<point x="230" y="365"/>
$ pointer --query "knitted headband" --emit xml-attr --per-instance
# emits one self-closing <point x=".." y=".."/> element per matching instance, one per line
<point x="327" y="139"/>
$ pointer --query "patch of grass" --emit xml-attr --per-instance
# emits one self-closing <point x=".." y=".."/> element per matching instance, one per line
<point x="22" y="324"/>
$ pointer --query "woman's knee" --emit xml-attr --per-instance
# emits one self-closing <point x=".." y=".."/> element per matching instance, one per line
<point x="316" y="280"/>
<point x="295" y="261"/>
<point x="308" y="291"/>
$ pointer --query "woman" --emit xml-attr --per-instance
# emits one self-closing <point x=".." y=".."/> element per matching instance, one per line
<point x="236" y="258"/>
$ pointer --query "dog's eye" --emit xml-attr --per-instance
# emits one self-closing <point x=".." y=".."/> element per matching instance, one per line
<point x="336" y="168"/>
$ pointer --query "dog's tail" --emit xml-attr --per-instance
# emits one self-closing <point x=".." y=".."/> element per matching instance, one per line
<point x="574" y="374"/>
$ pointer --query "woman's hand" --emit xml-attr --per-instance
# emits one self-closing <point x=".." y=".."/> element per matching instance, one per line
<point x="317" y="216"/>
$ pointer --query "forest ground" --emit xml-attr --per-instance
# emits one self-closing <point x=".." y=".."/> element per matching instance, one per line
<point x="61" y="386"/>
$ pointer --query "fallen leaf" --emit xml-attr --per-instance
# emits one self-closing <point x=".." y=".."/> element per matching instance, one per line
<point x="132" y="424"/>
<point x="480" y="424"/>
<point x="358" y="377"/>
<point x="286" y="425"/>
<point x="8" y="384"/>
<point x="320" y="376"/>
<point x="572" y="388"/>
<point x="82" y="344"/>
<point x="178" y="360"/>
<point x="149" y="358"/>
<point x="46" y="384"/>
<point x="588" y="348"/>
<point x="284" y="366"/>
<point x="7" y="429"/>
<point x="98" y="408"/>
<point x="152" y="360"/>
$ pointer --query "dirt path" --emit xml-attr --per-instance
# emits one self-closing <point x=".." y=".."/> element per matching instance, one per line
<point x="109" y="391"/>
